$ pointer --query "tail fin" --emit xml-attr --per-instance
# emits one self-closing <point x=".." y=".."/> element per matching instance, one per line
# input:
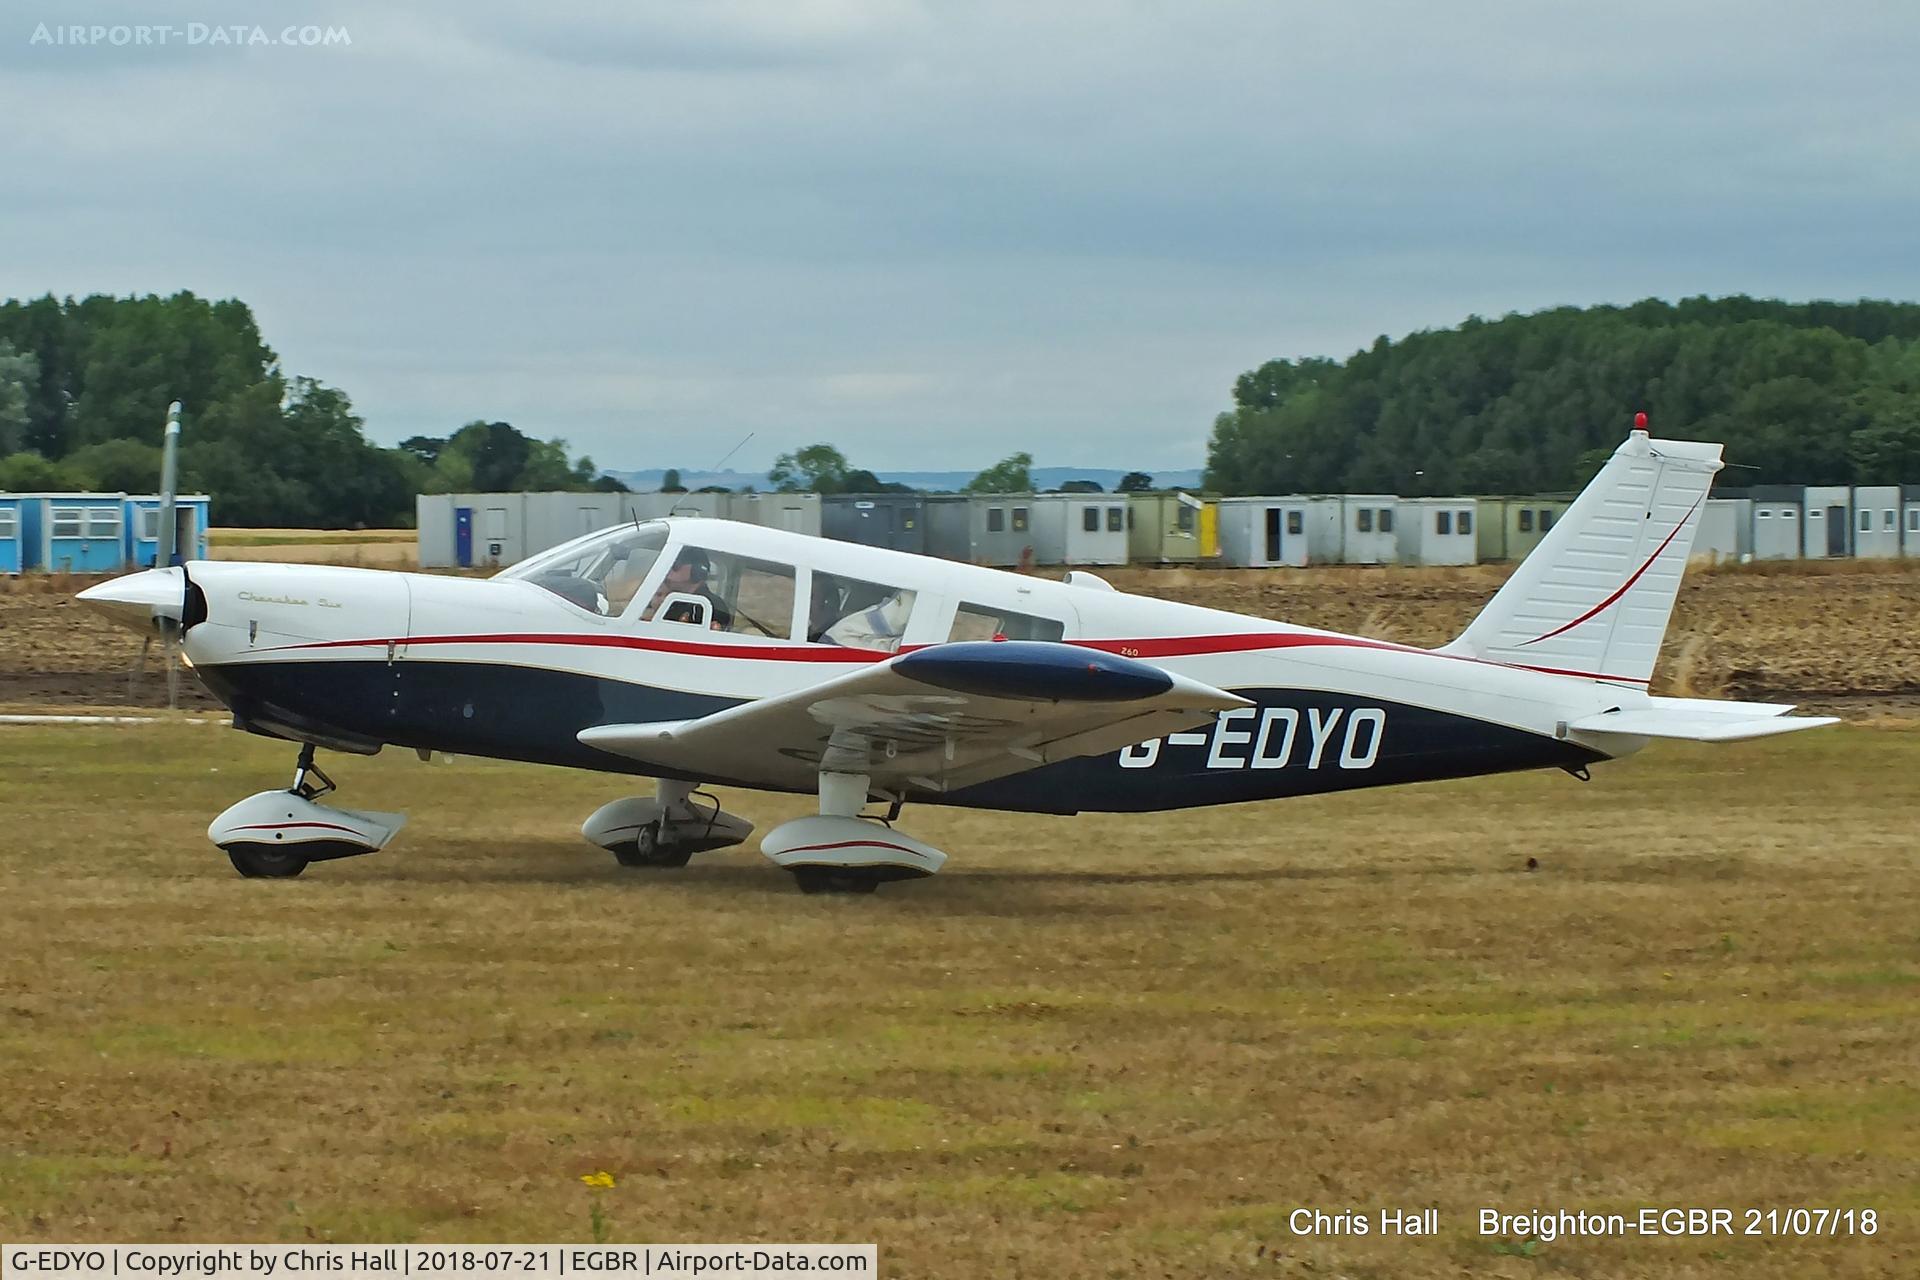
<point x="1594" y="597"/>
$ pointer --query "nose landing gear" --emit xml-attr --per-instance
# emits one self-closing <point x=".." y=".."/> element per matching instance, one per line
<point x="276" y="834"/>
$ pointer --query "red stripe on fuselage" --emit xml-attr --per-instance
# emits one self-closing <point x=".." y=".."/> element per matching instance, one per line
<point x="1146" y="647"/>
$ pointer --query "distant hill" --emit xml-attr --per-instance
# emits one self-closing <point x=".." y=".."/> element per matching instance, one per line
<point x="646" y="481"/>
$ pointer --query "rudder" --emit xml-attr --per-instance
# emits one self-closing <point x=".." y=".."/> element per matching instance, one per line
<point x="1594" y="598"/>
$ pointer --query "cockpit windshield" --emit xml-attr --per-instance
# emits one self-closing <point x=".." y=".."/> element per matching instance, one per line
<point x="599" y="572"/>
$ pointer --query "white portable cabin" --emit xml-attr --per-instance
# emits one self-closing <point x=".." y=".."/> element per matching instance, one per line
<point x="1436" y="531"/>
<point x="1876" y="521"/>
<point x="1726" y="530"/>
<point x="1910" y="501"/>
<point x="1079" y="528"/>
<point x="1777" y="521"/>
<point x="1259" y="533"/>
<point x="793" y="512"/>
<point x="471" y="530"/>
<point x="1829" y="522"/>
<point x="1367" y="528"/>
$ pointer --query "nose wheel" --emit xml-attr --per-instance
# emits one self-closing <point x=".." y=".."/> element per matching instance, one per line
<point x="274" y="835"/>
<point x="649" y="848"/>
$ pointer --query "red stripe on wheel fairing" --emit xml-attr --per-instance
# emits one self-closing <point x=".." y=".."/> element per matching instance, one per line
<point x="846" y="844"/>
<point x="288" y="826"/>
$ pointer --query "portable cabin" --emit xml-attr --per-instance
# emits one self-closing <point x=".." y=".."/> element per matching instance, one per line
<point x="1777" y="520"/>
<point x="1876" y="521"/>
<point x="190" y="512"/>
<point x="1080" y="528"/>
<point x="1512" y="527"/>
<point x="1260" y="533"/>
<point x="895" y="521"/>
<point x="1367" y="527"/>
<point x="1436" y="531"/>
<point x="1829" y="522"/>
<point x="1726" y="529"/>
<point x="81" y="532"/>
<point x="549" y="519"/>
<point x="1910" y="500"/>
<point x="489" y="529"/>
<point x="793" y="512"/>
<point x="1171" y="528"/>
<point x="13" y="533"/>
<point x="981" y="528"/>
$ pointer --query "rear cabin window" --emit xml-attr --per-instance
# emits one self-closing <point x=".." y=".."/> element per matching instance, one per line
<point x="857" y="614"/>
<point x="981" y="622"/>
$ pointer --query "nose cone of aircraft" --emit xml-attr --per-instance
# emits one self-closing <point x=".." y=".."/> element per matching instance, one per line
<point x="139" y="598"/>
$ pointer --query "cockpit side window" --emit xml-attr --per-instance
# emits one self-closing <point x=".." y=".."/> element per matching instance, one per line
<point x="857" y="614"/>
<point x="599" y="572"/>
<point x="743" y="596"/>
<point x="983" y="622"/>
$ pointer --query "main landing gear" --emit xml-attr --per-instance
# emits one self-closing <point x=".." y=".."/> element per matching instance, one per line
<point x="665" y="829"/>
<point x="840" y="852"/>
<point x="275" y="834"/>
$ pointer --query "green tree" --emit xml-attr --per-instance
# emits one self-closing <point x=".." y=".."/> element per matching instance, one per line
<point x="818" y="468"/>
<point x="19" y="378"/>
<point x="118" y="466"/>
<point x="1012" y="474"/>
<point x="31" y="473"/>
<point x="1134" y="482"/>
<point x="670" y="481"/>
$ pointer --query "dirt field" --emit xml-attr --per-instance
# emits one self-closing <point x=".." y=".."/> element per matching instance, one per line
<point x="1844" y="637"/>
<point x="1093" y="1047"/>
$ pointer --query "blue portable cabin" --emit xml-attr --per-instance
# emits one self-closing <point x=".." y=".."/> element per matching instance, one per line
<point x="13" y="531"/>
<point x="80" y="532"/>
<point x="190" y="518"/>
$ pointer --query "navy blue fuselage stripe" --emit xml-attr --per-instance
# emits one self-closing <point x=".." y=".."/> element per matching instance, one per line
<point x="1292" y="742"/>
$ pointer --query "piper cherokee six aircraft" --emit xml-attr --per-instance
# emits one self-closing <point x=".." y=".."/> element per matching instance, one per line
<point x="699" y="651"/>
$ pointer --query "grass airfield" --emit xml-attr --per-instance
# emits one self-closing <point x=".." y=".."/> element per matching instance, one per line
<point x="1094" y="1047"/>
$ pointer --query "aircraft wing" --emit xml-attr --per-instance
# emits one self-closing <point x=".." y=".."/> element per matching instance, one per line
<point x="935" y="719"/>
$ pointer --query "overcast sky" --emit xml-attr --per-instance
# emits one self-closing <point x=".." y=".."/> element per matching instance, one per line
<point x="934" y="234"/>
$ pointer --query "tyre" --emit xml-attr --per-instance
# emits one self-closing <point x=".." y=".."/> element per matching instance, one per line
<point x="646" y="850"/>
<point x="835" y="880"/>
<point x="263" y="862"/>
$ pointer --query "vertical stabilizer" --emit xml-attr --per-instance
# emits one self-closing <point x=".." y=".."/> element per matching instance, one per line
<point x="1595" y="596"/>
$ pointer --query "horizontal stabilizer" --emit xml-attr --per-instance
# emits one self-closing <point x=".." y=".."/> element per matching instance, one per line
<point x="1697" y="720"/>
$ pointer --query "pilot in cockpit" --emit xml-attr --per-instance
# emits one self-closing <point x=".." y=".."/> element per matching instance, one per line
<point x="689" y="577"/>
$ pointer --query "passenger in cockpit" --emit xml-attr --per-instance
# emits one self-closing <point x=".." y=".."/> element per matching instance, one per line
<point x="879" y="626"/>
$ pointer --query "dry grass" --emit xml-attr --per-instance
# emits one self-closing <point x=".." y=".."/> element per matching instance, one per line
<point x="1096" y="1047"/>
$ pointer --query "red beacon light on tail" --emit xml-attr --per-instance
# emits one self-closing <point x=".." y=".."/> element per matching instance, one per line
<point x="1640" y="422"/>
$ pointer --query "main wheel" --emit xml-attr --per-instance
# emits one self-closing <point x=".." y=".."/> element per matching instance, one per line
<point x="647" y="850"/>
<point x="264" y="862"/>
<point x="835" y="880"/>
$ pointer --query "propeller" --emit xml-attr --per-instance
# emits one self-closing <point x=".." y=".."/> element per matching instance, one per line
<point x="166" y="624"/>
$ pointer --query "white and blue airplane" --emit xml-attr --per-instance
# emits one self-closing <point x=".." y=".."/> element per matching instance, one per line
<point x="700" y="652"/>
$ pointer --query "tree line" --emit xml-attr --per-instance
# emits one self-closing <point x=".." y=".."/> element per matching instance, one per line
<point x="1811" y="393"/>
<point x="84" y="388"/>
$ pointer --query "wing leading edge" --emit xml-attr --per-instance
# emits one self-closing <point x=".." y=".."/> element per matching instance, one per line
<point x="933" y="720"/>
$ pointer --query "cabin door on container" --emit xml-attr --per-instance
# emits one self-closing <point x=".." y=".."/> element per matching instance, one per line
<point x="1273" y="535"/>
<point x="463" y="537"/>
<point x="1836" y="531"/>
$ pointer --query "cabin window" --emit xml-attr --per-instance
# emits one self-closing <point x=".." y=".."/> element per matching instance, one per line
<point x="1763" y="514"/>
<point x="1019" y="519"/>
<point x="1866" y="520"/>
<point x="744" y="597"/>
<point x="1184" y="520"/>
<point x="1386" y="520"/>
<point x="981" y="622"/>
<point x="9" y="525"/>
<point x="1526" y="519"/>
<point x="908" y="520"/>
<point x="1296" y="523"/>
<point x="1546" y="520"/>
<point x="1363" y="520"/>
<point x="1443" y="522"/>
<point x="150" y="524"/>
<point x="66" y="522"/>
<point x="1816" y="514"/>
<point x="1116" y="520"/>
<point x="858" y="614"/>
<point x="1913" y="519"/>
<point x="599" y="572"/>
<point x="1892" y="523"/>
<point x="1465" y="522"/>
<point x="1090" y="519"/>
<point x="996" y="519"/>
<point x="103" y="522"/>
